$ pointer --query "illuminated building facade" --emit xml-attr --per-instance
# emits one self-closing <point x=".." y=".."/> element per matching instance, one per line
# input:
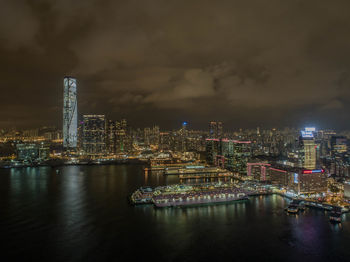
<point x="312" y="181"/>
<point x="94" y="135"/>
<point x="111" y="130"/>
<point x="308" y="149"/>
<point x="258" y="171"/>
<point x="241" y="153"/>
<point x="27" y="152"/>
<point x="279" y="177"/>
<point x="215" y="129"/>
<point x="122" y="142"/>
<point x="213" y="149"/>
<point x="230" y="154"/>
<point x="338" y="145"/>
<point x="70" y="114"/>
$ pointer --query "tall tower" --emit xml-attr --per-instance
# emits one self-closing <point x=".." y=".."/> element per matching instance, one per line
<point x="215" y="129"/>
<point x="70" y="114"/>
<point x="308" y="150"/>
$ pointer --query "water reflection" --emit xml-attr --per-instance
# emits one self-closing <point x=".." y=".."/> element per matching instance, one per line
<point x="82" y="213"/>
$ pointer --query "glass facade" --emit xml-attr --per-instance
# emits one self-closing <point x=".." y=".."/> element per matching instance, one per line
<point x="70" y="114"/>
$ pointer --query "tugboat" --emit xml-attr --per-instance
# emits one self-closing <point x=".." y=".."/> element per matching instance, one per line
<point x="335" y="215"/>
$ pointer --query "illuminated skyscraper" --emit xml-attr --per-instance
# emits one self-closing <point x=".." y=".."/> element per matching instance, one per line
<point x="70" y="114"/>
<point x="215" y="129"/>
<point x="94" y="135"/>
<point x="308" y="149"/>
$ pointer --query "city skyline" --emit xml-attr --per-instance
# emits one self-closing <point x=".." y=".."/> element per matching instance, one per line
<point x="273" y="65"/>
<point x="186" y="130"/>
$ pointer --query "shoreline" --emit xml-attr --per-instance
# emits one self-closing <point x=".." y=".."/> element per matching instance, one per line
<point x="56" y="165"/>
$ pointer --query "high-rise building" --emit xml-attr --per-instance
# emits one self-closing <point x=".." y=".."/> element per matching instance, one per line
<point x="237" y="154"/>
<point x="308" y="149"/>
<point x="230" y="154"/>
<point x="111" y="133"/>
<point x="338" y="145"/>
<point x="70" y="114"/>
<point x="94" y="135"/>
<point x="215" y="129"/>
<point x="122" y="141"/>
<point x="213" y="149"/>
<point x="147" y="135"/>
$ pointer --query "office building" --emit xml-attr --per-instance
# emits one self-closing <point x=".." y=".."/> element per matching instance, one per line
<point x="111" y="134"/>
<point x="27" y="152"/>
<point x="308" y="150"/>
<point x="70" y="114"/>
<point x="230" y="154"/>
<point x="339" y="145"/>
<point x="215" y="129"/>
<point x="94" y="135"/>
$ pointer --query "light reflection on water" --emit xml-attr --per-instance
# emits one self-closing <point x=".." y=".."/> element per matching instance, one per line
<point x="82" y="213"/>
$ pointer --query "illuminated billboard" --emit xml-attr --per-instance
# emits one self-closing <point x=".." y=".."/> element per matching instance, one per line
<point x="296" y="178"/>
<point x="307" y="134"/>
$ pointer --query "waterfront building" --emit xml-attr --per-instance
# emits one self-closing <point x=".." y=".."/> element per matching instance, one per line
<point x="258" y="171"/>
<point x="94" y="134"/>
<point x="312" y="181"/>
<point x="70" y="114"/>
<point x="213" y="149"/>
<point x="236" y="158"/>
<point x="280" y="177"/>
<point x="230" y="154"/>
<point x="27" y="152"/>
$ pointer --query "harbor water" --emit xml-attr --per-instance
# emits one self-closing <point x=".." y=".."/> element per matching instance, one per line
<point x="81" y="213"/>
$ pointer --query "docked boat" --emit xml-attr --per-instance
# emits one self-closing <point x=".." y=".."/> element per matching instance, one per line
<point x="292" y="208"/>
<point x="215" y="196"/>
<point x="295" y="206"/>
<point x="142" y="196"/>
<point x="335" y="215"/>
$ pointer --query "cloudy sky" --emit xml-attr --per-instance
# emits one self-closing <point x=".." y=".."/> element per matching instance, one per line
<point x="248" y="63"/>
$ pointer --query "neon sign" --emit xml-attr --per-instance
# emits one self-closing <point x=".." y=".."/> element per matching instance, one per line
<point x="313" y="171"/>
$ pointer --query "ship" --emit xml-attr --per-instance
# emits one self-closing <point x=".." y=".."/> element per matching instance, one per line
<point x="292" y="208"/>
<point x="196" y="198"/>
<point x="335" y="215"/>
<point x="142" y="196"/>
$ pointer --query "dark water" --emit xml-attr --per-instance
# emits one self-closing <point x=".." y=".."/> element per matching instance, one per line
<point x="81" y="214"/>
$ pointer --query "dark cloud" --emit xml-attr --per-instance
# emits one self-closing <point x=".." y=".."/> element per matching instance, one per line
<point x="247" y="63"/>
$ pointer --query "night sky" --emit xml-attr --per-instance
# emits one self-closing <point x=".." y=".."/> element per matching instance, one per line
<point x="247" y="63"/>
